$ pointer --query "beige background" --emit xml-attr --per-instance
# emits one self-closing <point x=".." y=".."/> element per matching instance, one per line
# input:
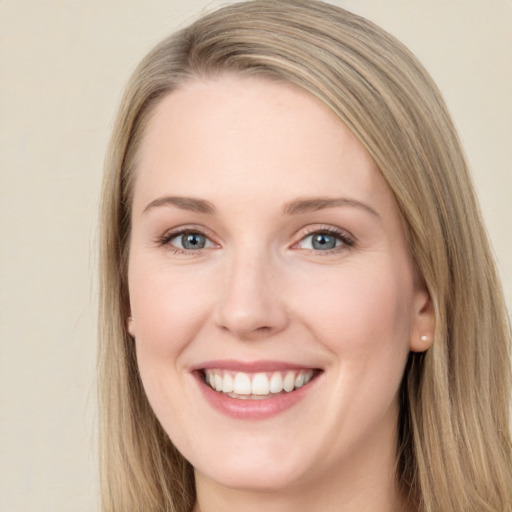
<point x="62" y="68"/>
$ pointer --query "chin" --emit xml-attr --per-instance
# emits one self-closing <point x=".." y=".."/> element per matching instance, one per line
<point x="254" y="477"/>
<point x="254" y="461"/>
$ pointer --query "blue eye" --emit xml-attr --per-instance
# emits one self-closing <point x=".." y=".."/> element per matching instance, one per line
<point x="189" y="241"/>
<point x="325" y="241"/>
<point x="193" y="241"/>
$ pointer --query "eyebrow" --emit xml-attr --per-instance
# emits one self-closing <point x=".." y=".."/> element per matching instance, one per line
<point x="184" y="203"/>
<point x="295" y="207"/>
<point x="306" y="205"/>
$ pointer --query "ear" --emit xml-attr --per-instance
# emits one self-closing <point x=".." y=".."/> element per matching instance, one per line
<point x="422" y="332"/>
<point x="130" y="326"/>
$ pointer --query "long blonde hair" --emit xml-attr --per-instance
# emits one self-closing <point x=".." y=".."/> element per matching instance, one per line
<point x="454" y="437"/>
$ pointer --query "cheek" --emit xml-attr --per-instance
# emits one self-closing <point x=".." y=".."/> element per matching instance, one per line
<point x="168" y="307"/>
<point x="363" y="316"/>
<point x="361" y="310"/>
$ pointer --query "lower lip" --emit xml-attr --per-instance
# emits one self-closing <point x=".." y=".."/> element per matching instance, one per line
<point x="253" y="409"/>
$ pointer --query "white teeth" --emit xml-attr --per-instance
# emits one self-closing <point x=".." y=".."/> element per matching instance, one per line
<point x="227" y="383"/>
<point x="259" y="385"/>
<point x="303" y="378"/>
<point x="276" y="383"/>
<point x="218" y="382"/>
<point x="242" y="384"/>
<point x="289" y="382"/>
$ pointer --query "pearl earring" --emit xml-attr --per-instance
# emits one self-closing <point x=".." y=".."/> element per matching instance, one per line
<point x="424" y="338"/>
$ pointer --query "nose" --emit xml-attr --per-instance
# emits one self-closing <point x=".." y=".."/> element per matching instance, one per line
<point x="252" y="302"/>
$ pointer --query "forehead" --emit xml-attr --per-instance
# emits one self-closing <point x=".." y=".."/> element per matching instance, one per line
<point x="241" y="134"/>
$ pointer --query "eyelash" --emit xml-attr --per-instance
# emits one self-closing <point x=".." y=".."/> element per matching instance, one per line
<point x="347" y="241"/>
<point x="164" y="241"/>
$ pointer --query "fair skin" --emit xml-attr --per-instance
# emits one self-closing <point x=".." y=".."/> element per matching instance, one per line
<point x="265" y="241"/>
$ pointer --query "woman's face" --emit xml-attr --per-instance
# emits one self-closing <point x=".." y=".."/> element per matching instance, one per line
<point x="268" y="258"/>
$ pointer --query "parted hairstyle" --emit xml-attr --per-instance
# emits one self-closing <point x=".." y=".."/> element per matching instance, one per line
<point x="453" y="437"/>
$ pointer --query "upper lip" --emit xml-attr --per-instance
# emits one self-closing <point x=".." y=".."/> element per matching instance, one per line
<point x="250" y="366"/>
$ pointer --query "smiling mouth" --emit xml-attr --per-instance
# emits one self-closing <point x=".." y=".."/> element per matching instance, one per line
<point x="256" y="386"/>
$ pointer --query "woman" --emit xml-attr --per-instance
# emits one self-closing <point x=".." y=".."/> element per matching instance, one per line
<point x="299" y="307"/>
